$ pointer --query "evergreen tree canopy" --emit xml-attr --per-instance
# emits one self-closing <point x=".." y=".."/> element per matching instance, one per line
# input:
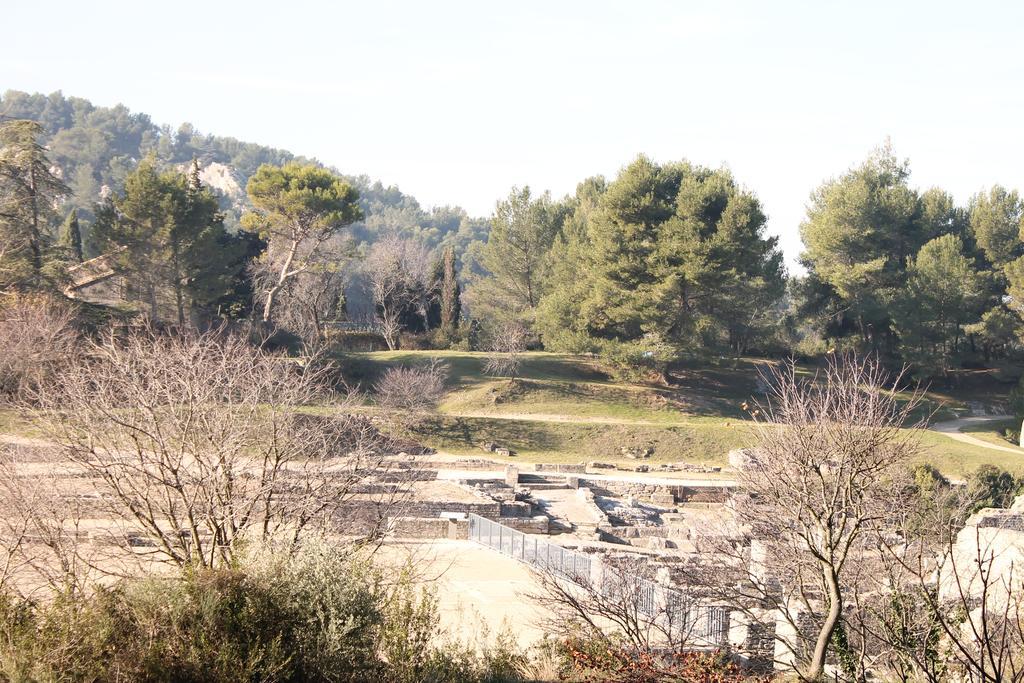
<point x="997" y="219"/>
<point x="514" y="258"/>
<point x="29" y="191"/>
<point x="71" y="236"/>
<point x="299" y="207"/>
<point x="944" y="294"/>
<point x="677" y="250"/>
<point x="168" y="237"/>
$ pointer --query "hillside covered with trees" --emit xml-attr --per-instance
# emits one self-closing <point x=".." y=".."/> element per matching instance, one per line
<point x="664" y="262"/>
<point x="96" y="148"/>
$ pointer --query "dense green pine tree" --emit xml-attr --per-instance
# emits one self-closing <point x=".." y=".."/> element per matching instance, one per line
<point x="29" y="190"/>
<point x="514" y="258"/>
<point x="570" y="256"/>
<point x="167" y="235"/>
<point x="909" y="273"/>
<point x="944" y="294"/>
<point x="997" y="222"/>
<point x="677" y="251"/>
<point x="997" y="219"/>
<point x="859" y="233"/>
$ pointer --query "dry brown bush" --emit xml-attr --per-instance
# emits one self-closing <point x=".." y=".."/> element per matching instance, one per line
<point x="414" y="389"/>
<point x="506" y="351"/>
<point x="198" y="445"/>
<point x="37" y="334"/>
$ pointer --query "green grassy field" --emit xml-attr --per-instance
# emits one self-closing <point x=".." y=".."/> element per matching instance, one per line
<point x="572" y="442"/>
<point x="12" y="423"/>
<point x="567" y="409"/>
<point x="957" y="460"/>
<point x="994" y="432"/>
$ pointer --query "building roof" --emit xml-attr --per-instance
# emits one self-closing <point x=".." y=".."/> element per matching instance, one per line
<point x="92" y="271"/>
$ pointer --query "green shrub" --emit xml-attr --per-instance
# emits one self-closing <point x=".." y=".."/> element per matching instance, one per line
<point x="571" y="341"/>
<point x="250" y="624"/>
<point x="646" y="359"/>
<point x="322" y="615"/>
<point x="993" y="487"/>
<point x="408" y="629"/>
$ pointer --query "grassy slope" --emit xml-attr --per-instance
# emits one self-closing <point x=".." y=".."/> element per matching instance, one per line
<point x="698" y="422"/>
<point x="994" y="432"/>
<point x="565" y="409"/>
<point x="955" y="459"/>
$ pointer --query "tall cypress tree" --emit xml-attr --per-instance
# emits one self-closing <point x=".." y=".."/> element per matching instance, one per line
<point x="71" y="237"/>
<point x="451" y="307"/>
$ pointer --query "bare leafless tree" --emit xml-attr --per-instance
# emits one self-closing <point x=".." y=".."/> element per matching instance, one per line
<point x="618" y="602"/>
<point x="46" y="523"/>
<point x="816" y="492"/>
<point x="197" y="444"/>
<point x="310" y="298"/>
<point x="414" y="389"/>
<point x="36" y="334"/>
<point x="508" y="343"/>
<point x="399" y="273"/>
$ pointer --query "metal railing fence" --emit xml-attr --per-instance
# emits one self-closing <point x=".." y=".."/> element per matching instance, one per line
<point x="707" y="625"/>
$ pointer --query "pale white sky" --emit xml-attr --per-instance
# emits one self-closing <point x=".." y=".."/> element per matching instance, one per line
<point x="455" y="102"/>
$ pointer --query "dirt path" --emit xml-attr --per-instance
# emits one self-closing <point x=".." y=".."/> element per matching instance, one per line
<point x="15" y="440"/>
<point x="951" y="428"/>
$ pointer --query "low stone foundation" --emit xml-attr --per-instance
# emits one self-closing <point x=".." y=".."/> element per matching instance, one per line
<point x="422" y="527"/>
<point x="458" y="529"/>
<point x="527" y="525"/>
<point x="519" y="508"/>
<point x="661" y="494"/>
<point x="419" y="527"/>
<point x="580" y="468"/>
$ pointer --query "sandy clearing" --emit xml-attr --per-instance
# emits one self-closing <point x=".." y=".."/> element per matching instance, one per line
<point x="477" y="587"/>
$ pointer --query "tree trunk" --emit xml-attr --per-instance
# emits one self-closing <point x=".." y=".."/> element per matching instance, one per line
<point x="281" y="279"/>
<point x="36" y="238"/>
<point x="178" y="294"/>
<point x="815" y="669"/>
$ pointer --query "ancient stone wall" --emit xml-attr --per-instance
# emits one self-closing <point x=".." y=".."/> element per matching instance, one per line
<point x="419" y="527"/>
<point x="527" y="525"/>
<point x="424" y="527"/>
<point x="579" y="468"/>
<point x="659" y="493"/>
